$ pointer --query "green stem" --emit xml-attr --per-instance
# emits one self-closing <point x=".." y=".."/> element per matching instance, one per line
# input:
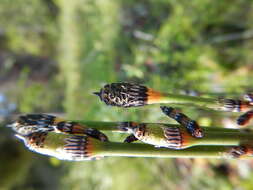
<point x="193" y="100"/>
<point x="212" y="135"/>
<point x="100" y="125"/>
<point x="210" y="129"/>
<point x="113" y="126"/>
<point x="210" y="103"/>
<point x="227" y="138"/>
<point x="144" y="150"/>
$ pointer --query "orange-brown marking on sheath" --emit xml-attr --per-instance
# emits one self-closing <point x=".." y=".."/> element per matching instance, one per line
<point x="186" y="138"/>
<point x="245" y="106"/>
<point x="134" y="124"/>
<point x="177" y="138"/>
<point x="78" y="129"/>
<point x="249" y="151"/>
<point x="153" y="96"/>
<point x="89" y="147"/>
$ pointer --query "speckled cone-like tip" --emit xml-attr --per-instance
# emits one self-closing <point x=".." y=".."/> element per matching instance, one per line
<point x="30" y="123"/>
<point x="123" y="94"/>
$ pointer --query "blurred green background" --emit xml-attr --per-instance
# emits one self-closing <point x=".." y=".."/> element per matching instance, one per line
<point x="55" y="53"/>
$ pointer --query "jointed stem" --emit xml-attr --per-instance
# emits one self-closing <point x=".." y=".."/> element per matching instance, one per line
<point x="227" y="138"/>
<point x="132" y="95"/>
<point x="216" y="142"/>
<point x="144" y="150"/>
<point x="229" y="105"/>
<point x="213" y="135"/>
<point x="101" y="125"/>
<point x="185" y="99"/>
<point x="114" y="126"/>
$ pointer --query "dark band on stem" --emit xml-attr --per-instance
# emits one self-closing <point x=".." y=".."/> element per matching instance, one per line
<point x="174" y="137"/>
<point x="79" y="147"/>
<point x="233" y="105"/>
<point x="192" y="126"/>
<point x="75" y="128"/>
<point x="240" y="151"/>
<point x="245" y="118"/>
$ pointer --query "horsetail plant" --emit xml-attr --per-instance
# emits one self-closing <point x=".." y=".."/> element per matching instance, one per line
<point x="44" y="134"/>
<point x="79" y="148"/>
<point x="133" y="95"/>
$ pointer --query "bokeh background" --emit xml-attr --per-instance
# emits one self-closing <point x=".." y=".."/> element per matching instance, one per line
<point x="55" y="53"/>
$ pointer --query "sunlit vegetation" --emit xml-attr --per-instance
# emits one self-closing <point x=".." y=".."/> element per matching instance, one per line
<point x="55" y="53"/>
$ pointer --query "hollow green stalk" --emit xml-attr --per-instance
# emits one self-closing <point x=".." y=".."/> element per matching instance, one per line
<point x="224" y="139"/>
<point x="167" y="98"/>
<point x="144" y="150"/>
<point x="114" y="126"/>
<point x="100" y="125"/>
<point x="133" y="95"/>
<point x="212" y="135"/>
<point x="229" y="105"/>
<point x="216" y="144"/>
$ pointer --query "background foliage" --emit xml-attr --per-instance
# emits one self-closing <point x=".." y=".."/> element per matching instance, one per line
<point x="55" y="53"/>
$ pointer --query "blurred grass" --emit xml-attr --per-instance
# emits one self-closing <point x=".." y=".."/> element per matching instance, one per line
<point x="69" y="54"/>
<point x="168" y="45"/>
